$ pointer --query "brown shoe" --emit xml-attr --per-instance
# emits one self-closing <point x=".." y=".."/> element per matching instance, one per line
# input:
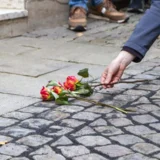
<point x="107" y="11"/>
<point x="77" y="19"/>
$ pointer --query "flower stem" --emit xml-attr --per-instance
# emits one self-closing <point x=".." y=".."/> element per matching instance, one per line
<point x="136" y="81"/>
<point x="99" y="103"/>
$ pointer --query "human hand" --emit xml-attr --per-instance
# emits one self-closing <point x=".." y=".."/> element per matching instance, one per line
<point x="115" y="69"/>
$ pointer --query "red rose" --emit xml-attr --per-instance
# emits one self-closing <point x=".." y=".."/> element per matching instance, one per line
<point x="72" y="78"/>
<point x="46" y="94"/>
<point x="57" y="89"/>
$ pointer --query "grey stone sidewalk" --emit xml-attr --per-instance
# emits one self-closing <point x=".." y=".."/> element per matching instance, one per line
<point x="37" y="130"/>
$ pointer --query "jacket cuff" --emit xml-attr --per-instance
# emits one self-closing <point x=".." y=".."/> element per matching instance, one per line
<point x="138" y="57"/>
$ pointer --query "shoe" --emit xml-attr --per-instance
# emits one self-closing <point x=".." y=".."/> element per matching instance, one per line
<point x="77" y="19"/>
<point x="136" y="6"/>
<point x="107" y="11"/>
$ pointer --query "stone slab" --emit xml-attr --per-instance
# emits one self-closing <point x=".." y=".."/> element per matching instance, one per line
<point x="12" y="102"/>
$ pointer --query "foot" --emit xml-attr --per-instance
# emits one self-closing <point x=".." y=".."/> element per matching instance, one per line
<point x="136" y="6"/>
<point x="107" y="11"/>
<point x="77" y="19"/>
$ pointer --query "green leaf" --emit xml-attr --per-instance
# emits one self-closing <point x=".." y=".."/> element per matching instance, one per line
<point x="55" y="95"/>
<point x="52" y="83"/>
<point x="62" y="101"/>
<point x="84" y="73"/>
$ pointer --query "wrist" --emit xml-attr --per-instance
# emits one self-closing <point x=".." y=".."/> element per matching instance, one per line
<point x="125" y="57"/>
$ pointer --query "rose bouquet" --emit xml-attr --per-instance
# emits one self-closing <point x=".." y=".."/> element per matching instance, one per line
<point x="74" y="88"/>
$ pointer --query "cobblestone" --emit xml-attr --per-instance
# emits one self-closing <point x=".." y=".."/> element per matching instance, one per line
<point x="154" y="138"/>
<point x="90" y="157"/>
<point x="139" y="130"/>
<point x="136" y="156"/>
<point x="86" y="116"/>
<point x="35" y="123"/>
<point x="34" y="140"/>
<point x="108" y="130"/>
<point x="93" y="140"/>
<point x="144" y="119"/>
<point x="120" y="122"/>
<point x="72" y="151"/>
<point x="17" y="131"/>
<point x="114" y="150"/>
<point x="145" y="148"/>
<point x="46" y="153"/>
<point x="12" y="149"/>
<point x="126" y="139"/>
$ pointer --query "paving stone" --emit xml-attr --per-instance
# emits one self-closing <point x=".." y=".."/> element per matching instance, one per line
<point x="99" y="122"/>
<point x="146" y="75"/>
<point x="93" y="140"/>
<point x="139" y="130"/>
<point x="42" y="66"/>
<point x="70" y="109"/>
<point x="62" y="141"/>
<point x="84" y="131"/>
<point x="46" y="153"/>
<point x="157" y="156"/>
<point x="113" y="150"/>
<point x="18" y="115"/>
<point x="126" y="98"/>
<point x="92" y="156"/>
<point x="54" y="115"/>
<point x="72" y="151"/>
<point x="71" y="123"/>
<point x="108" y="130"/>
<point x="20" y="158"/>
<point x="150" y="87"/>
<point x="34" y="140"/>
<point x="154" y="138"/>
<point x="156" y="113"/>
<point x="145" y="148"/>
<point x="148" y="107"/>
<point x="155" y="125"/>
<point x="17" y="131"/>
<point x="136" y="156"/>
<point x="126" y="139"/>
<point x="58" y="131"/>
<point x="125" y="86"/>
<point x="33" y="110"/>
<point x="4" y="122"/>
<point x="115" y="115"/>
<point x="120" y="122"/>
<point x="142" y="100"/>
<point x="5" y="138"/>
<point x="156" y="101"/>
<point x="143" y="119"/>
<point x="86" y="116"/>
<point x="35" y="123"/>
<point x="3" y="157"/>
<point x="99" y="109"/>
<point x="12" y="149"/>
<point x="136" y="92"/>
<point x="156" y="95"/>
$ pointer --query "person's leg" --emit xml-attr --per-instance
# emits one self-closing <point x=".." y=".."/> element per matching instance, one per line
<point x="104" y="9"/>
<point x="136" y="6"/>
<point x="78" y="15"/>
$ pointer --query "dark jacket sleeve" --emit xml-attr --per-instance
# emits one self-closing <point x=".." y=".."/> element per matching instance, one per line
<point x="146" y="32"/>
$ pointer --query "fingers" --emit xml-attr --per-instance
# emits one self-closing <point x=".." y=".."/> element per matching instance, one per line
<point x="106" y="78"/>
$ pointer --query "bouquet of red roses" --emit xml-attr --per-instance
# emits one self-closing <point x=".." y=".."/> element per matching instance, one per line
<point x="72" y="88"/>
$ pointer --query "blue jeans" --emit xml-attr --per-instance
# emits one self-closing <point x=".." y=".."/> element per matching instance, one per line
<point x="83" y="3"/>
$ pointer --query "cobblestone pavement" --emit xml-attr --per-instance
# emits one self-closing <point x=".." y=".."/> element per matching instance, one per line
<point x="38" y="130"/>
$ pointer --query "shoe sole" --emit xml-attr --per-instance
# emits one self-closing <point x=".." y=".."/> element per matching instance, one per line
<point x="107" y="19"/>
<point x="78" y="28"/>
